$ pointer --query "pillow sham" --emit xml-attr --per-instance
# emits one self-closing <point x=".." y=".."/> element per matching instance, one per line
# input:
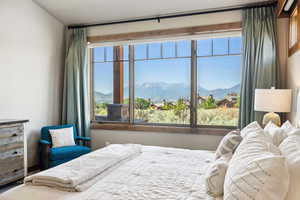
<point x="287" y="126"/>
<point x="290" y="148"/>
<point x="229" y="143"/>
<point x="215" y="175"/>
<point x="257" y="170"/>
<point x="250" y="128"/>
<point x="62" y="137"/>
<point x="278" y="134"/>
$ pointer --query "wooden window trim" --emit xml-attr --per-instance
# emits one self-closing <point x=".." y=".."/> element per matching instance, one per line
<point x="280" y="8"/>
<point x="175" y="32"/>
<point x="201" y="130"/>
<point x="293" y="49"/>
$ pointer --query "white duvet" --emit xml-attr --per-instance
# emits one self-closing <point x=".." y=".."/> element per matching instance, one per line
<point x="80" y="174"/>
<point x="156" y="174"/>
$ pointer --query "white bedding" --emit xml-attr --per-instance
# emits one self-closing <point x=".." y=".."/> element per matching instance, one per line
<point x="156" y="174"/>
<point x="80" y="174"/>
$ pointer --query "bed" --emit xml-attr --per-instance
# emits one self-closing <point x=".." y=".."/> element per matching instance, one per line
<point x="156" y="173"/>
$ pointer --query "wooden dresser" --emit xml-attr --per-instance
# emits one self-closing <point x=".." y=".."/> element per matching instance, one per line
<point x="12" y="155"/>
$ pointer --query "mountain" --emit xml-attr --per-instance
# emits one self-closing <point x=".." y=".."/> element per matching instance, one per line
<point x="219" y="93"/>
<point x="169" y="91"/>
<point x="101" y="97"/>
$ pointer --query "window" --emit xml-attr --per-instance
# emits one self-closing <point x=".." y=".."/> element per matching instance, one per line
<point x="294" y="39"/>
<point x="177" y="83"/>
<point x="110" y="67"/>
<point x="218" y="75"/>
<point x="162" y="83"/>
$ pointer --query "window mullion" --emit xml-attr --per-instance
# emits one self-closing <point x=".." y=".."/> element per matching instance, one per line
<point x="193" y="104"/>
<point x="131" y="84"/>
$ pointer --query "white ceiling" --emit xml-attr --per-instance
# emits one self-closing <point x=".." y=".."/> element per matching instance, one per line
<point x="99" y="11"/>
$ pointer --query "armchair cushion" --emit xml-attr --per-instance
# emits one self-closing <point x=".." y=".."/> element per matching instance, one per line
<point x="68" y="152"/>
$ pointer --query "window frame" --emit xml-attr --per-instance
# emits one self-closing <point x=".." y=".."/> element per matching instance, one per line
<point x="294" y="21"/>
<point x="192" y="127"/>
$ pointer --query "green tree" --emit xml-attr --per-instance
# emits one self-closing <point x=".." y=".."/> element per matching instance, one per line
<point x="126" y="101"/>
<point x="181" y="109"/>
<point x="237" y="105"/>
<point x="168" y="106"/>
<point x="142" y="104"/>
<point x="210" y="103"/>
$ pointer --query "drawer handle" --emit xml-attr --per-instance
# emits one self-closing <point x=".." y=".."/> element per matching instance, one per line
<point x="15" y="152"/>
<point x="14" y="135"/>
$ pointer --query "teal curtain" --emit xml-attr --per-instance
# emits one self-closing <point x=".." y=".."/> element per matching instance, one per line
<point x="75" y="108"/>
<point x="260" y="59"/>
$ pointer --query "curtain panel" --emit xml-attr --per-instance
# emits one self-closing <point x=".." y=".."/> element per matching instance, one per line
<point x="75" y="108"/>
<point x="260" y="65"/>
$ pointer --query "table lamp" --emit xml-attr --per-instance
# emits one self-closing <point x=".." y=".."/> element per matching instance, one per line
<point x="271" y="101"/>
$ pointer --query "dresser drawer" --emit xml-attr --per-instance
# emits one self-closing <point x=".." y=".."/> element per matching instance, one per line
<point x="11" y="164"/>
<point x="10" y="140"/>
<point x="11" y="176"/>
<point x="11" y="153"/>
<point x="11" y="146"/>
<point x="12" y="130"/>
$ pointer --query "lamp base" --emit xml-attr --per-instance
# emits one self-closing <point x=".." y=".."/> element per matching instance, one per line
<point x="273" y="117"/>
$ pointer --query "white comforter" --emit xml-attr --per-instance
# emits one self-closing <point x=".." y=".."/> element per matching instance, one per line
<point x="80" y="174"/>
<point x="156" y="174"/>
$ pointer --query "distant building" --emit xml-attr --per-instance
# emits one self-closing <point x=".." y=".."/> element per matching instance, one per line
<point x="226" y="103"/>
<point x="201" y="100"/>
<point x="232" y="97"/>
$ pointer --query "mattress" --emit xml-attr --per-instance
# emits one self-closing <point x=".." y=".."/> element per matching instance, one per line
<point x="158" y="173"/>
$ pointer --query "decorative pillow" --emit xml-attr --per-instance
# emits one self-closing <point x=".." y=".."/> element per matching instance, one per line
<point x="229" y="143"/>
<point x="256" y="171"/>
<point x="278" y="134"/>
<point x="290" y="148"/>
<point x="215" y="175"/>
<point x="62" y="137"/>
<point x="252" y="127"/>
<point x="287" y="126"/>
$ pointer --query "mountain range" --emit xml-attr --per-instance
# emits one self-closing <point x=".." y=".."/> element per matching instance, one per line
<point x="169" y="91"/>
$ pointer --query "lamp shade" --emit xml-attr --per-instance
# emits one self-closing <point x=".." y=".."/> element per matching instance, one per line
<point x="273" y="100"/>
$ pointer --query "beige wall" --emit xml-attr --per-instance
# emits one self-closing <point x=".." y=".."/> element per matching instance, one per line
<point x="282" y="27"/>
<point x="197" y="20"/>
<point x="188" y="141"/>
<point x="31" y="54"/>
<point x="293" y="81"/>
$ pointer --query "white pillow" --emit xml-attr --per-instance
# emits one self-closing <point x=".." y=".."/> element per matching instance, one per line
<point x="215" y="175"/>
<point x="288" y="127"/>
<point x="256" y="171"/>
<point x="229" y="143"/>
<point x="62" y="137"/>
<point x="278" y="134"/>
<point x="252" y="127"/>
<point x="290" y="148"/>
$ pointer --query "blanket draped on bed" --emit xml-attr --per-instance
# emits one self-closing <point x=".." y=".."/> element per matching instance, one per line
<point x="81" y="173"/>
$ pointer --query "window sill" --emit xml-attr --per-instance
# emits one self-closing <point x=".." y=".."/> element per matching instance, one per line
<point x="207" y="130"/>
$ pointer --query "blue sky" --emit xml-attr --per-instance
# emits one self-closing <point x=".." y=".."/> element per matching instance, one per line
<point x="213" y="72"/>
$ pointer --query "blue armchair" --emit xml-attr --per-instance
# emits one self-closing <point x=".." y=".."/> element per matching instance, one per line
<point x="51" y="157"/>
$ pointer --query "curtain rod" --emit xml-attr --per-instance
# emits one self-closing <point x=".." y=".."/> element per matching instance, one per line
<point x="255" y="5"/>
